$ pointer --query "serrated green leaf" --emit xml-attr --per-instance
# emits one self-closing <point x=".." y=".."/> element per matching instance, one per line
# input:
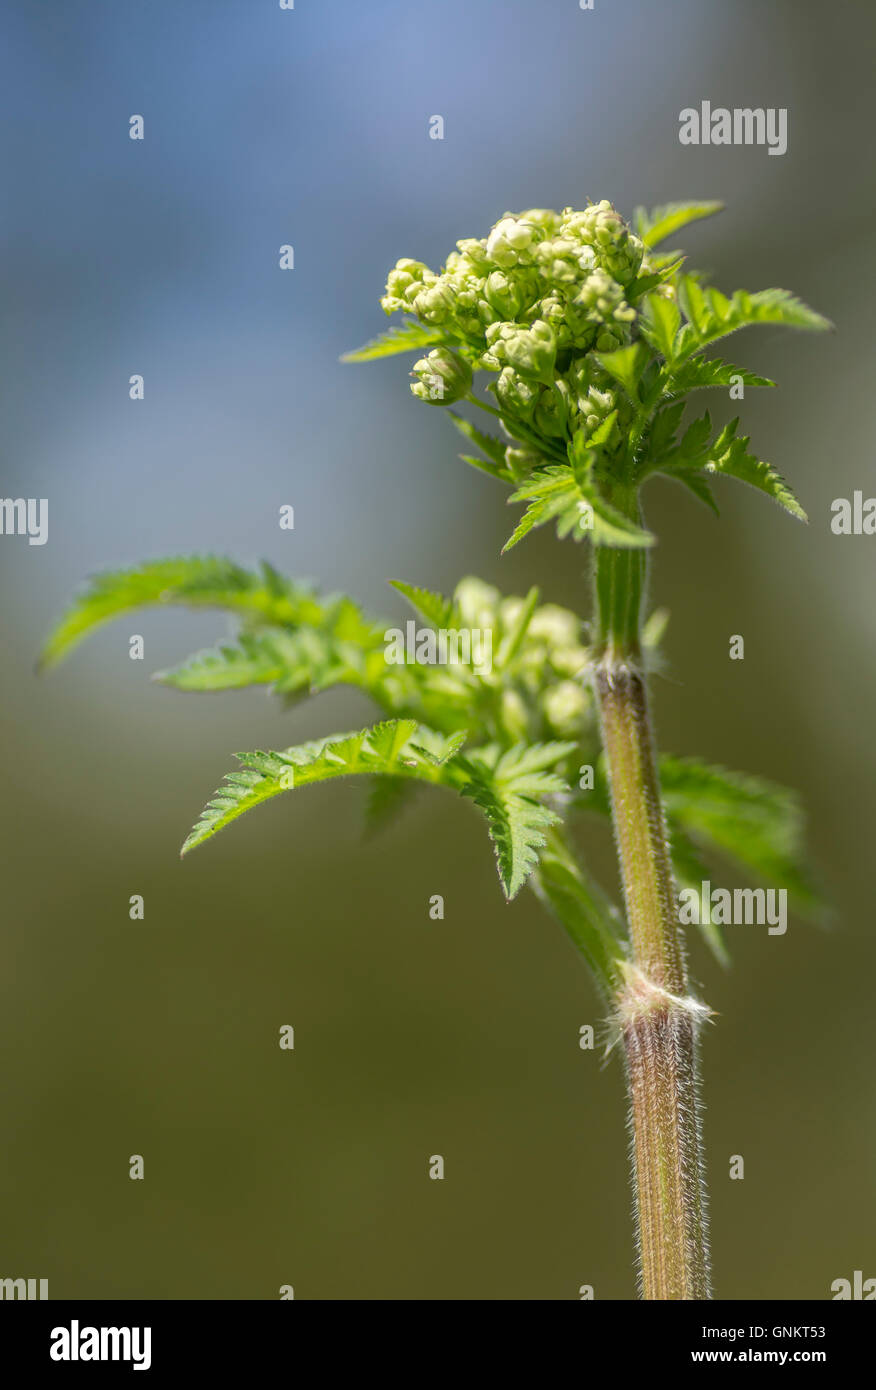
<point x="489" y="444"/>
<point x="663" y="430"/>
<point x="697" y="484"/>
<point x="406" y="337"/>
<point x="502" y="475"/>
<point x="662" y="222"/>
<point x="258" y="658"/>
<point x="382" y="750"/>
<point x="438" y="611"/>
<point x="711" y="315"/>
<point x="558" y="494"/>
<point x="193" y="582"/>
<point x="509" y="789"/>
<point x="700" y="372"/>
<point x="664" y="268"/>
<point x="730" y="457"/>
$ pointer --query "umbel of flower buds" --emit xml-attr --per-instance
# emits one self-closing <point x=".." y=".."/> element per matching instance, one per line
<point x="531" y="302"/>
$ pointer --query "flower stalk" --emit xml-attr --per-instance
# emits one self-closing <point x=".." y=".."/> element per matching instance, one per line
<point x="658" y="1020"/>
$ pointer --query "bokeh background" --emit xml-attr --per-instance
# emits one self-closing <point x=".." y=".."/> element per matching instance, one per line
<point x="263" y="1168"/>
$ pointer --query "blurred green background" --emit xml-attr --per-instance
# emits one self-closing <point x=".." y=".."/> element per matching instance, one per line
<point x="413" y="1037"/>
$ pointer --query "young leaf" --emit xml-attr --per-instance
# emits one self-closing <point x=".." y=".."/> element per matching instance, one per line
<point x="730" y="457"/>
<point x="194" y="582"/>
<point x="487" y="443"/>
<point x="558" y="494"/>
<point x="662" y="222"/>
<point x="406" y="337"/>
<point x="698" y="372"/>
<point x="711" y="315"/>
<point x="509" y="788"/>
<point x="259" y="658"/>
<point x="439" y="612"/>
<point x="663" y="429"/>
<point x="386" y="749"/>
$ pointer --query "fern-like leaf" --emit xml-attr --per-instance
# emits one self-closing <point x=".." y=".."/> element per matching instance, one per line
<point x="387" y="749"/>
<point x="406" y="337"/>
<point x="700" y="372"/>
<point x="711" y="315"/>
<point x="510" y="787"/>
<point x="438" y="611"/>
<point x="662" y="222"/>
<point x="561" y="495"/>
<point x="194" y="582"/>
<point x="697" y="456"/>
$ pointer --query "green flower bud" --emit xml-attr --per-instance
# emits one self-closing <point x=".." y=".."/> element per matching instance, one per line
<point x="531" y="351"/>
<point x="435" y="302"/>
<point x="508" y="240"/>
<point x="543" y="219"/>
<point x="601" y="301"/>
<point x="596" y="407"/>
<point x="475" y="253"/>
<point x="405" y="277"/>
<point x="551" y="414"/>
<point x="444" y="377"/>
<point x="509" y="294"/>
<point x="515" y="395"/>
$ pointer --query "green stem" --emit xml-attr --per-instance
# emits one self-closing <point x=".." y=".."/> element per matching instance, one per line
<point x="658" y="1021"/>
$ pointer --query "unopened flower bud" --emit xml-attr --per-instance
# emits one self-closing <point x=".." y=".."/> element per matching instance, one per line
<point x="403" y="280"/>
<point x="507" y="240"/>
<point x="531" y="351"/>
<point x="434" y="302"/>
<point x="443" y="377"/>
<point x="515" y="395"/>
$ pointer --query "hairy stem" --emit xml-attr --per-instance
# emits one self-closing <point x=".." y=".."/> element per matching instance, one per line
<point x="659" y="1022"/>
